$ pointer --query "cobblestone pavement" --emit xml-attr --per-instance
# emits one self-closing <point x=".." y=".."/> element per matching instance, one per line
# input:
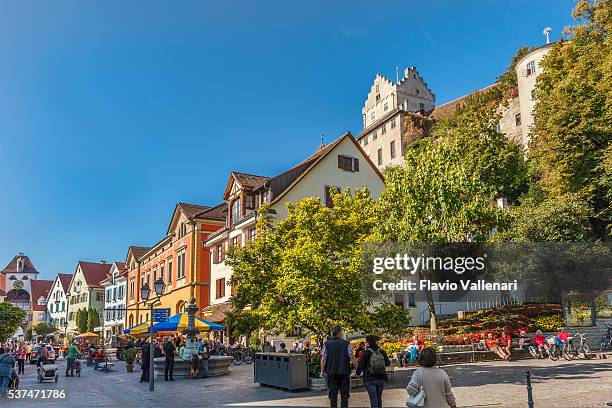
<point x="492" y="384"/>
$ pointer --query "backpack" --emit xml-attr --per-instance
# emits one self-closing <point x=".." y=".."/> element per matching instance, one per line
<point x="377" y="364"/>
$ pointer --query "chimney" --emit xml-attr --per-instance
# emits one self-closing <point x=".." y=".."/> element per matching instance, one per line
<point x="103" y="262"/>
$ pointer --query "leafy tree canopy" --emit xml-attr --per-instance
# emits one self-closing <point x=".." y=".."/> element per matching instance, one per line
<point x="44" y="329"/>
<point x="306" y="270"/>
<point x="93" y="319"/>
<point x="570" y="146"/>
<point x="10" y="318"/>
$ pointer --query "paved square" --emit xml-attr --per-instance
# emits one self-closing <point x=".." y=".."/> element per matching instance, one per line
<point x="492" y="384"/>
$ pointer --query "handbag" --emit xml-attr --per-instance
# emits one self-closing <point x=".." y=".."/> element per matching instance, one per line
<point x="418" y="400"/>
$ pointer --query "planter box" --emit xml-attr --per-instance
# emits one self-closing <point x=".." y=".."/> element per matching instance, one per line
<point x="317" y="384"/>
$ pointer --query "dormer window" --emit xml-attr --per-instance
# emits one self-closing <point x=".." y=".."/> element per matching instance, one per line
<point x="19" y="265"/>
<point x="249" y="201"/>
<point x="42" y="301"/>
<point x="236" y="211"/>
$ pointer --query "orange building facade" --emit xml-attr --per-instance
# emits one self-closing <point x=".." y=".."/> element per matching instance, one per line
<point x="180" y="259"/>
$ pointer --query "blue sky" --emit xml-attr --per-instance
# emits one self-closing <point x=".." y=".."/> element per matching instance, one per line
<point x="113" y="111"/>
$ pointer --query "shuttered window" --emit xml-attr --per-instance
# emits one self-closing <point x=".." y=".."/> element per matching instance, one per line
<point x="348" y="163"/>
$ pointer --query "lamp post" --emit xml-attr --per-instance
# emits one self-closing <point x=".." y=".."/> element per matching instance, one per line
<point x="159" y="287"/>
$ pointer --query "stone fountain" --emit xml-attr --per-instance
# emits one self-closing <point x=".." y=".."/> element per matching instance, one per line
<point x="217" y="365"/>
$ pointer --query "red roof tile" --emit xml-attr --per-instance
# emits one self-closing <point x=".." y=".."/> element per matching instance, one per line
<point x="28" y="267"/>
<point x="94" y="273"/>
<point x="40" y="288"/>
<point x="65" y="279"/>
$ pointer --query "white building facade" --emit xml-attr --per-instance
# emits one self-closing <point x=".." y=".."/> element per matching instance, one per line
<point x="115" y="287"/>
<point x="527" y="70"/>
<point x="342" y="164"/>
<point x="57" y="302"/>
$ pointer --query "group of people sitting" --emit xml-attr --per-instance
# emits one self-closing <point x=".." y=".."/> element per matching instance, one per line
<point x="410" y="354"/>
<point x="536" y="345"/>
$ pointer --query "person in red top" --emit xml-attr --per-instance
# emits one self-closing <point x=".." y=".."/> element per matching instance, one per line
<point x="506" y="342"/>
<point x="493" y="344"/>
<point x="359" y="351"/>
<point x="539" y="343"/>
<point x="420" y="343"/>
<point x="20" y="356"/>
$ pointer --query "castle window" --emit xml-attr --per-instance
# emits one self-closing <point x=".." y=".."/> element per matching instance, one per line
<point x="372" y="116"/>
<point x="530" y="69"/>
<point x="374" y="135"/>
<point x="386" y="106"/>
<point x="392" y="149"/>
<point x="417" y="91"/>
<point x="384" y="128"/>
<point x="365" y="141"/>
<point x="422" y="106"/>
<point x="393" y="123"/>
<point x="380" y="157"/>
<point x="517" y="119"/>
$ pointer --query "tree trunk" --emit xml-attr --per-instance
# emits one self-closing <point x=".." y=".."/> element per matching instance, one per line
<point x="433" y="323"/>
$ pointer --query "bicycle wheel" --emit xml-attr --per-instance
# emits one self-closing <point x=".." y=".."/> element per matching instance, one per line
<point x="248" y="358"/>
<point x="586" y="352"/>
<point x="553" y="353"/>
<point x="237" y="359"/>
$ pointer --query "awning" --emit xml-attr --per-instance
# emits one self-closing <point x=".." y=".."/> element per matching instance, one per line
<point x="87" y="334"/>
<point x="179" y="322"/>
<point x="139" y="328"/>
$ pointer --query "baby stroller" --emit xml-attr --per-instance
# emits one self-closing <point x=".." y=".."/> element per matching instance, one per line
<point x="14" y="381"/>
<point x="47" y="372"/>
<point x="76" y="366"/>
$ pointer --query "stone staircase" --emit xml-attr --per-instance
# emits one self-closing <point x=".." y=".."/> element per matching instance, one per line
<point x="596" y="334"/>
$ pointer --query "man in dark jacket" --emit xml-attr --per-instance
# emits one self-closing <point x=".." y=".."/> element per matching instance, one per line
<point x="169" y="350"/>
<point x="336" y="359"/>
<point x="373" y="365"/>
<point x="145" y="354"/>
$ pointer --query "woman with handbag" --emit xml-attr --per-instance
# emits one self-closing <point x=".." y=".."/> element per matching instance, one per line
<point x="430" y="385"/>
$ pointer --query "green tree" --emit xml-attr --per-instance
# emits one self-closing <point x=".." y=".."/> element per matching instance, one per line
<point x="306" y="270"/>
<point x="570" y="146"/>
<point x="447" y="190"/>
<point x="10" y="318"/>
<point x="93" y="319"/>
<point x="44" y="329"/>
<point x="81" y="320"/>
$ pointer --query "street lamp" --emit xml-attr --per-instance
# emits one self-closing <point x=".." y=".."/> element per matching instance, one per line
<point x="145" y="292"/>
<point x="65" y="325"/>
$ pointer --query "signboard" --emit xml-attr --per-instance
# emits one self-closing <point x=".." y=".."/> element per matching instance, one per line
<point x="161" y="315"/>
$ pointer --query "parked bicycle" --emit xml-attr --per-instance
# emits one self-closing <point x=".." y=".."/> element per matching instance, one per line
<point x="241" y="355"/>
<point x="607" y="344"/>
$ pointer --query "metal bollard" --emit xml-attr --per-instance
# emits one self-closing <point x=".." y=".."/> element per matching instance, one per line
<point x="529" y="391"/>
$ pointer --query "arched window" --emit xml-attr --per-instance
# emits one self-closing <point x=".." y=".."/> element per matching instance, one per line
<point x="131" y="321"/>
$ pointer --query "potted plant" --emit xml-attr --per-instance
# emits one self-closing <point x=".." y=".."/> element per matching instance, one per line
<point x="314" y="372"/>
<point x="130" y="356"/>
